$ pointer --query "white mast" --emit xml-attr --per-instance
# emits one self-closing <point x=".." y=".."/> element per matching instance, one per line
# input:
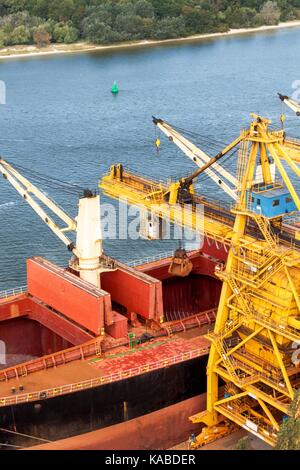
<point x="88" y="251"/>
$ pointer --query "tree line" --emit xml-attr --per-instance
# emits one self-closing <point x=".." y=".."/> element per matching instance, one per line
<point x="108" y="21"/>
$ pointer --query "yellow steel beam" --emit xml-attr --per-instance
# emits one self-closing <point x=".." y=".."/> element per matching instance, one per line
<point x="261" y="379"/>
<point x="257" y="393"/>
<point x="184" y="217"/>
<point x="242" y="421"/>
<point x="242" y="343"/>
<point x="281" y="150"/>
<point x="292" y="285"/>
<point x="281" y="365"/>
<point x="223" y="310"/>
<point x="231" y="398"/>
<point x="269" y="414"/>
<point x="249" y="176"/>
<point x="265" y="164"/>
<point x="285" y="177"/>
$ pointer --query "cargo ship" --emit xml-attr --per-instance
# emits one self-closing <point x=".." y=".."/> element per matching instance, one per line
<point x="89" y="347"/>
<point x="79" y="381"/>
<point x="100" y="342"/>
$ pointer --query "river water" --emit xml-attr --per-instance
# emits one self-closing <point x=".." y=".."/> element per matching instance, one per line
<point x="61" y="120"/>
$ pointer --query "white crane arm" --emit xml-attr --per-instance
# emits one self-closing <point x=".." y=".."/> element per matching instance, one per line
<point x="218" y="174"/>
<point x="292" y="104"/>
<point x="25" y="189"/>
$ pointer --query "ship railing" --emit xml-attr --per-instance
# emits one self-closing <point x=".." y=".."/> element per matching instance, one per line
<point x="292" y="219"/>
<point x="292" y="140"/>
<point x="102" y="380"/>
<point x="5" y="294"/>
<point x="150" y="259"/>
<point x="280" y="327"/>
<point x="130" y="174"/>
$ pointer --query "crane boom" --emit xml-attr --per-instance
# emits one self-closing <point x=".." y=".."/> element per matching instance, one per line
<point x="25" y="188"/>
<point x="215" y="159"/>
<point x="219" y="175"/>
<point x="292" y="104"/>
<point x="88" y="260"/>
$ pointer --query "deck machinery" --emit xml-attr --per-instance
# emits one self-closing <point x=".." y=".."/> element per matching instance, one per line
<point x="257" y="331"/>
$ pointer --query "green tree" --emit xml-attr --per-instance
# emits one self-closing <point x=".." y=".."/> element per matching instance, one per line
<point x="167" y="8"/>
<point x="199" y="21"/>
<point x="144" y="9"/>
<point x="61" y="10"/>
<point x="238" y="17"/>
<point x="100" y="13"/>
<point x="126" y="8"/>
<point x="169" y="28"/>
<point x="289" y="431"/>
<point x="104" y="21"/>
<point x="287" y="11"/>
<point x="20" y="35"/>
<point x="2" y="38"/>
<point x="243" y="444"/>
<point x="39" y="8"/>
<point x="98" y="32"/>
<point x="14" y="6"/>
<point x="65" y="33"/>
<point x="129" y="27"/>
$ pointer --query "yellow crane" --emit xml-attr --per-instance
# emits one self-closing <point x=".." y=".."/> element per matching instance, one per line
<point x="258" y="321"/>
<point x="218" y="174"/>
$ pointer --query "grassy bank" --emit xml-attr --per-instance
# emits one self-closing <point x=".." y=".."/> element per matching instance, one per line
<point x="52" y="49"/>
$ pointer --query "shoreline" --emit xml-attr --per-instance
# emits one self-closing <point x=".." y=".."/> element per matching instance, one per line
<point x="28" y="51"/>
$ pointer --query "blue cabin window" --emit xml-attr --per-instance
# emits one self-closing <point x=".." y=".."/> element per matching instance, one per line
<point x="271" y="201"/>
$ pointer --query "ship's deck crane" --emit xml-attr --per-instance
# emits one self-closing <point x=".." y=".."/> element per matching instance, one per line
<point x="218" y="174"/>
<point x="87" y="258"/>
<point x="161" y="198"/>
<point x="292" y="104"/>
<point x="258" y="319"/>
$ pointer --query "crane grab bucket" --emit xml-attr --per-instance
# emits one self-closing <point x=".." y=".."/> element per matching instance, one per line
<point x="181" y="265"/>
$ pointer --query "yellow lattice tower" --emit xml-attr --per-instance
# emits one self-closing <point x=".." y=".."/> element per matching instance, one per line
<point x="258" y="321"/>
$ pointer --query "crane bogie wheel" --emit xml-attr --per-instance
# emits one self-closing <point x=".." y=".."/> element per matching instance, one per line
<point x="213" y="433"/>
<point x="231" y="389"/>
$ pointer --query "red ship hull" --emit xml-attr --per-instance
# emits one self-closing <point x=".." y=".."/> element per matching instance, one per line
<point x="152" y="355"/>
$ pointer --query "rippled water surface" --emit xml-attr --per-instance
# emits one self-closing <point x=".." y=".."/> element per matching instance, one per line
<point x="61" y="120"/>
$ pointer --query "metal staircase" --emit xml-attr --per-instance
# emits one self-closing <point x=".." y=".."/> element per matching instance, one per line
<point x="264" y="226"/>
<point x="237" y="291"/>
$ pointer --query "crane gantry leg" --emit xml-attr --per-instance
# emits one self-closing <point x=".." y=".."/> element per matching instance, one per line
<point x="260" y="301"/>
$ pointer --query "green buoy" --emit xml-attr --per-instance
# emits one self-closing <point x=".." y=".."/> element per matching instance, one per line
<point x="115" y="88"/>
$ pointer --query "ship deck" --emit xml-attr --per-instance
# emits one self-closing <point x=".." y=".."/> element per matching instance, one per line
<point x="53" y="347"/>
<point x="114" y="365"/>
